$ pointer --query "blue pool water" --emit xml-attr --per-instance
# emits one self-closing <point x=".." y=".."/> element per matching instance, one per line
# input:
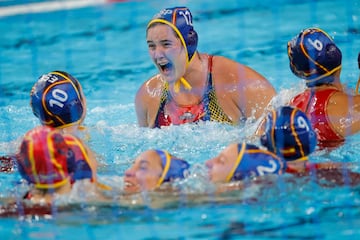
<point x="103" y="45"/>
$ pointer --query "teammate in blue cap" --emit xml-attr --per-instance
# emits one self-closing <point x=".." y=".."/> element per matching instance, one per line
<point x="289" y="134"/>
<point x="57" y="99"/>
<point x="51" y="162"/>
<point x="192" y="86"/>
<point x="289" y="140"/>
<point x="153" y="168"/>
<point x="239" y="161"/>
<point x="333" y="112"/>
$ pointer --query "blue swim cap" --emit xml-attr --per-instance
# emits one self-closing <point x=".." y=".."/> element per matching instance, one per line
<point x="173" y="168"/>
<point x="313" y="56"/>
<point x="57" y="99"/>
<point x="252" y="161"/>
<point x="181" y="21"/>
<point x="289" y="134"/>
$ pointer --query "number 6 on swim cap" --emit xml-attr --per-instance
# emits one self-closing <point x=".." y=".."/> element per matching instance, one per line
<point x="57" y="100"/>
<point x="314" y="56"/>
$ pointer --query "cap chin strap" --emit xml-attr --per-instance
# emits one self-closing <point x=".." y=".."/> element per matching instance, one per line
<point x="237" y="163"/>
<point x="184" y="82"/>
<point x="165" y="170"/>
<point x="307" y="81"/>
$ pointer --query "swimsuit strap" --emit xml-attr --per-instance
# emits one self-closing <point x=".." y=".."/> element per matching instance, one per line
<point x="208" y="89"/>
<point x="166" y="96"/>
<point x="163" y="100"/>
<point x="212" y="109"/>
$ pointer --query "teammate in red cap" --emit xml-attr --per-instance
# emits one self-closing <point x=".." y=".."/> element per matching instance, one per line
<point x="52" y="162"/>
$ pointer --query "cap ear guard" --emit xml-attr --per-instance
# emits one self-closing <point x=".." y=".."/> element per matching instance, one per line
<point x="19" y="164"/>
<point x="192" y="42"/>
<point x="233" y="175"/>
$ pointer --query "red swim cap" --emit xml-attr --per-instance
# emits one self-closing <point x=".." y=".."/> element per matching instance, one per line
<point x="43" y="158"/>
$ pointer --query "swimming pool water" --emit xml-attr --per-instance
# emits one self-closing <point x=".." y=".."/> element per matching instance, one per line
<point x="104" y="47"/>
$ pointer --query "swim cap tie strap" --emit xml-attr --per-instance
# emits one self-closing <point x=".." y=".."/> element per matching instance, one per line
<point x="184" y="82"/>
<point x="166" y="167"/>
<point x="237" y="162"/>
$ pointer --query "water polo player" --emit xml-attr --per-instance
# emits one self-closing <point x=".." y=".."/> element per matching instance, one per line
<point x="57" y="99"/>
<point x="193" y="86"/>
<point x="239" y="161"/>
<point x="334" y="113"/>
<point x="153" y="168"/>
<point x="289" y="134"/>
<point x="51" y="162"/>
